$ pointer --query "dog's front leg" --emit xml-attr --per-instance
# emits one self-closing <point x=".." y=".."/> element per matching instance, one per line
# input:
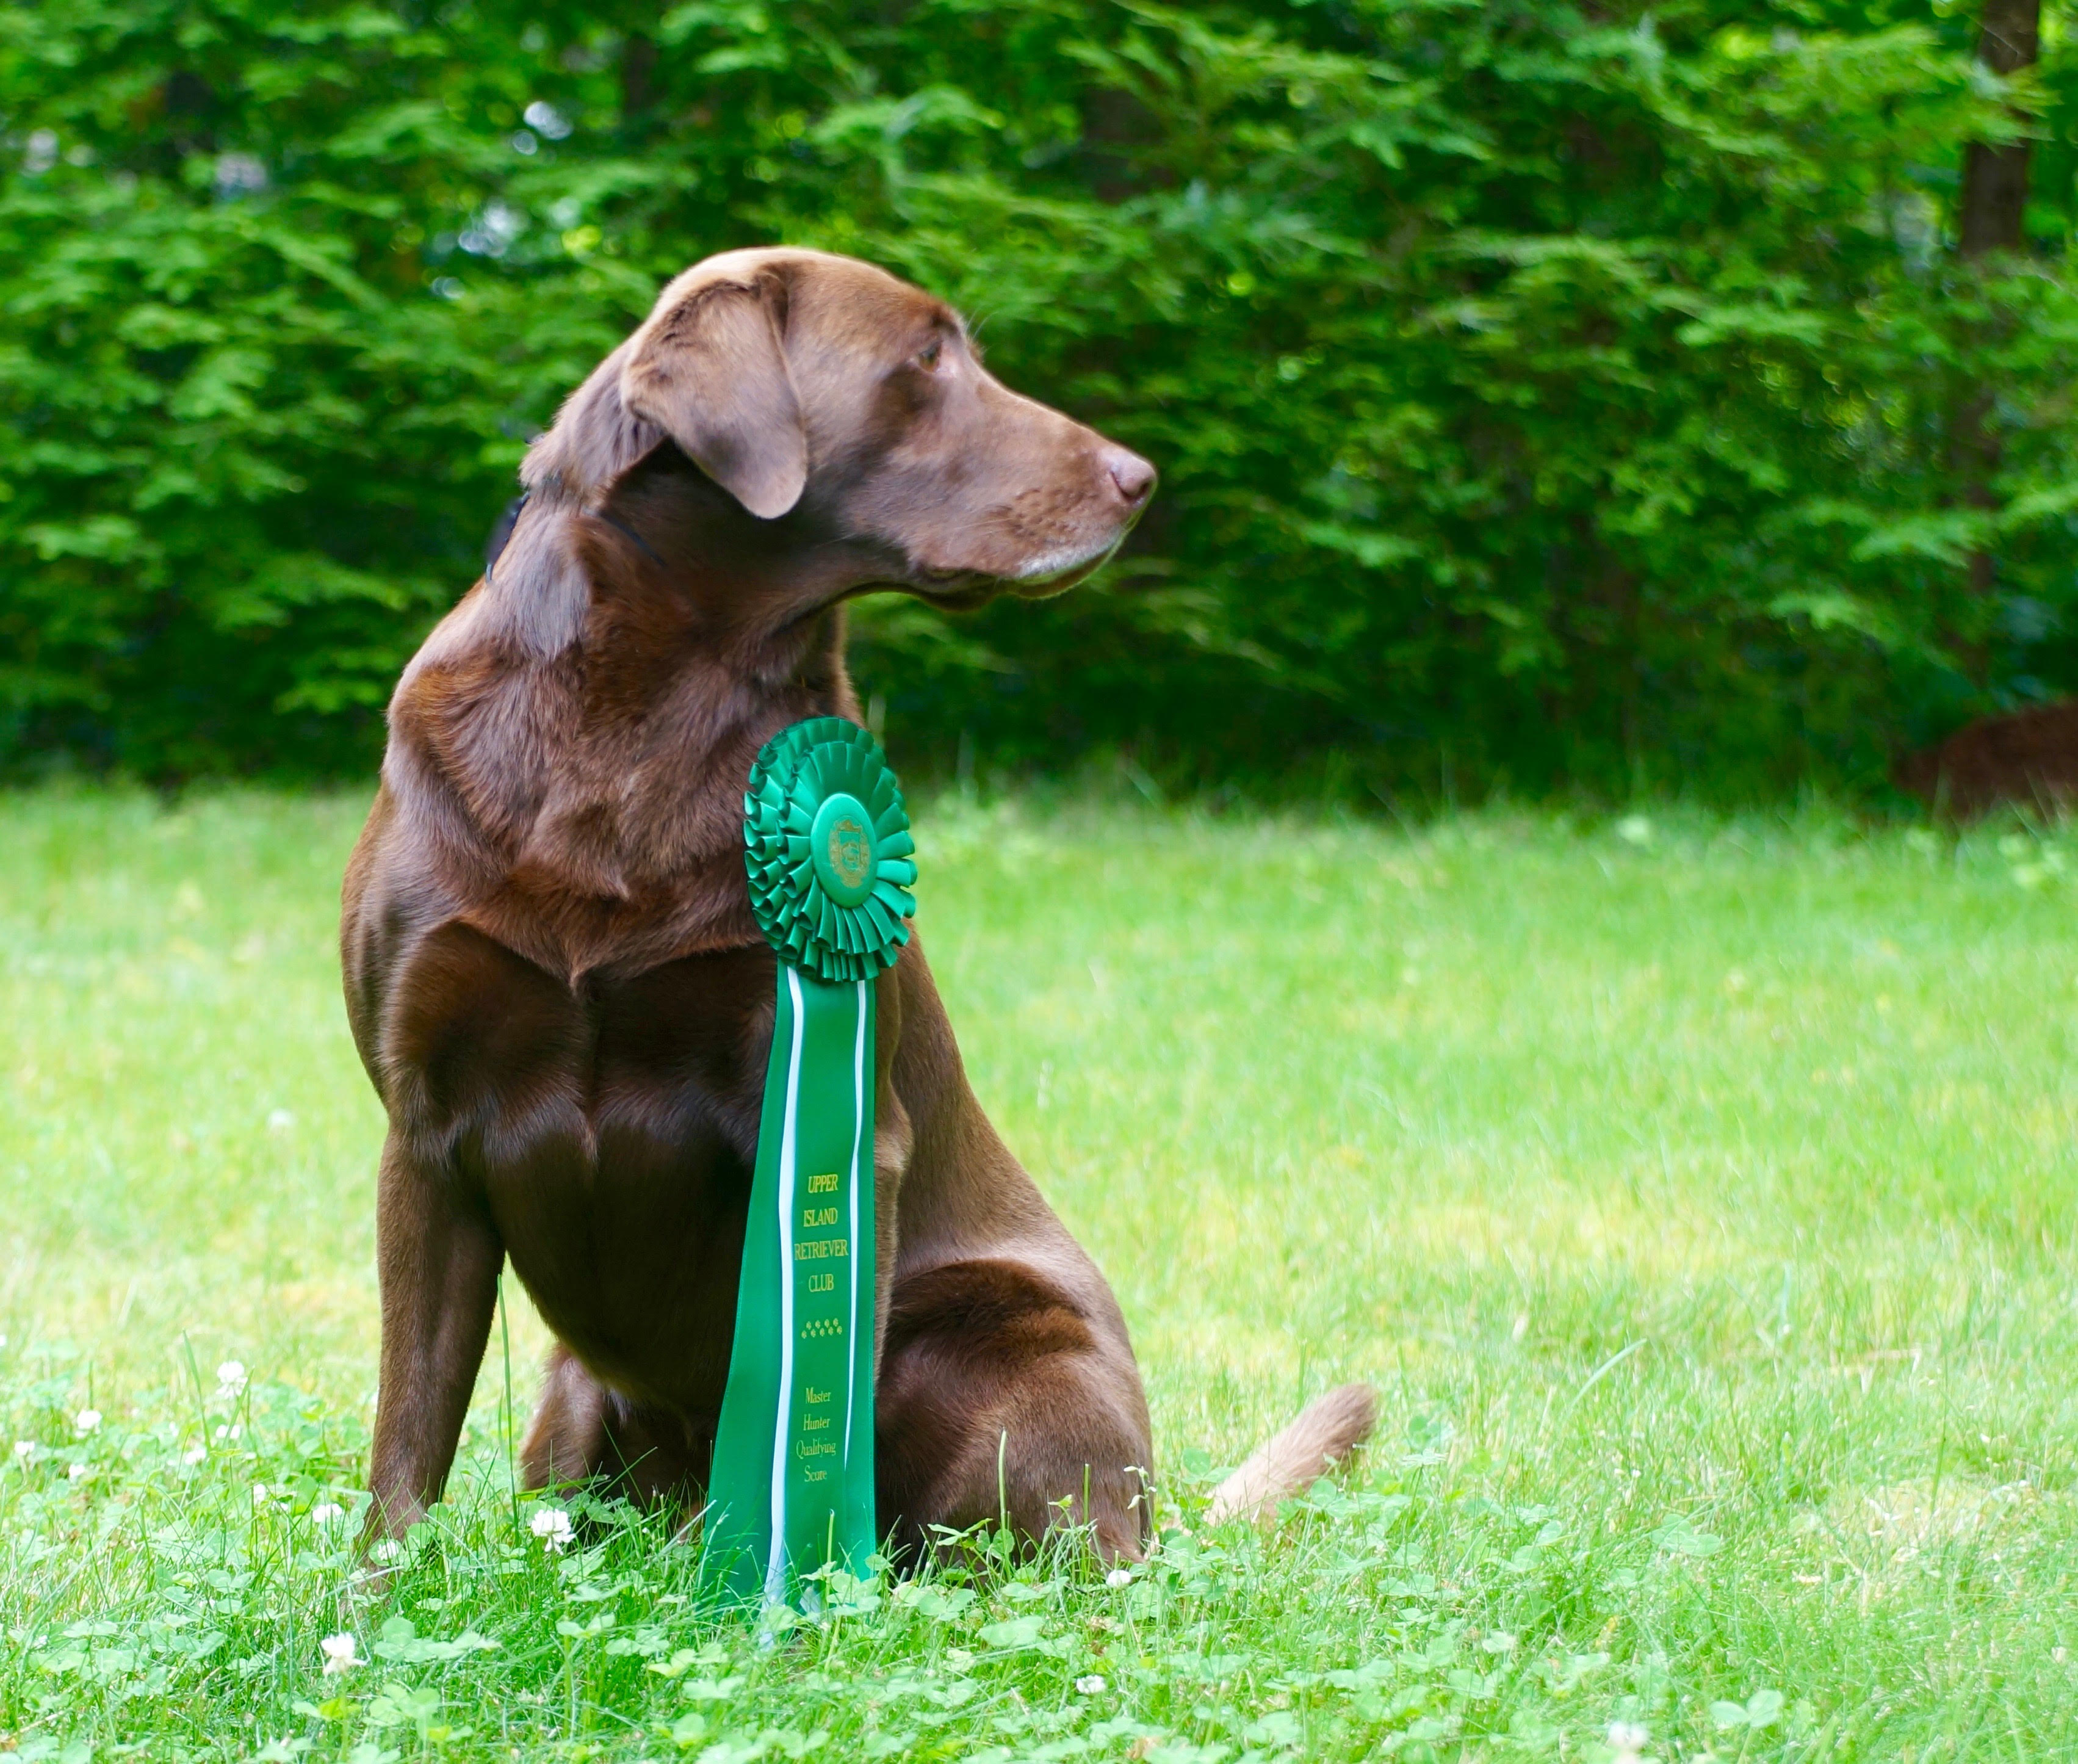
<point x="891" y="1142"/>
<point x="438" y="1255"/>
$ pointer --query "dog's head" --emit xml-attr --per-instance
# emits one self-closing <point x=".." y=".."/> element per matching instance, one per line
<point x="849" y="409"/>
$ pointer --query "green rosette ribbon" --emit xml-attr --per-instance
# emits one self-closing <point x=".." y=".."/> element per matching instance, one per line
<point x="827" y="846"/>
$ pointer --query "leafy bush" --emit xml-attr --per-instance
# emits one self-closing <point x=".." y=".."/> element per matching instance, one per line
<point x="1542" y="394"/>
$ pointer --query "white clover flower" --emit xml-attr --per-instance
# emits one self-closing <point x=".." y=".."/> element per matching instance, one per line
<point x="389" y="1550"/>
<point x="327" y="1512"/>
<point x="1627" y="1739"/>
<point x="87" y="1420"/>
<point x="75" y="1471"/>
<point x="194" y="1454"/>
<point x="552" y="1525"/>
<point x="230" y="1379"/>
<point x="339" y="1654"/>
<point x="259" y="1494"/>
<point x="1119" y="1577"/>
<point x="1092" y="1685"/>
<point x="25" y="1449"/>
<point x="280" y="1121"/>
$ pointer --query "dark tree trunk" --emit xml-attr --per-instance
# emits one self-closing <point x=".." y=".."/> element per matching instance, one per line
<point x="1995" y="178"/>
<point x="638" y="72"/>
<point x="1992" y="218"/>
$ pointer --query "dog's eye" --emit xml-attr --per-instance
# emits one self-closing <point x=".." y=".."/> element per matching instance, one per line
<point x="926" y="358"/>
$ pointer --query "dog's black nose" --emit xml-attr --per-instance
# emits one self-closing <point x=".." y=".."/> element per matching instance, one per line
<point x="1134" y="476"/>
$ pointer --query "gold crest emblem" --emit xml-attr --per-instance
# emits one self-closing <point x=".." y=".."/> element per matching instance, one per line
<point x="850" y="852"/>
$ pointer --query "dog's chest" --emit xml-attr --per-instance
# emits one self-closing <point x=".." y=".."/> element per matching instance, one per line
<point x="609" y="1128"/>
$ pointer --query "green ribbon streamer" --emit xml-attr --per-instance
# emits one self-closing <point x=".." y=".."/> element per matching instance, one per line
<point x="827" y="844"/>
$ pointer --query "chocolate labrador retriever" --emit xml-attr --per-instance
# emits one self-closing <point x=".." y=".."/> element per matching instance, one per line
<point x="551" y="966"/>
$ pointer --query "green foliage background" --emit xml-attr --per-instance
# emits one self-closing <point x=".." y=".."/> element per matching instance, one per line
<point x="1544" y="395"/>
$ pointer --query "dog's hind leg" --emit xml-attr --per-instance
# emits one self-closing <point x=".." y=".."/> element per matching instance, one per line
<point x="565" y="1441"/>
<point x="581" y="1431"/>
<point x="1000" y="1402"/>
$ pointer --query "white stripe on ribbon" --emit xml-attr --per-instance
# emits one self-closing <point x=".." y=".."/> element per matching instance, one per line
<point x="858" y="1247"/>
<point x="775" y="1565"/>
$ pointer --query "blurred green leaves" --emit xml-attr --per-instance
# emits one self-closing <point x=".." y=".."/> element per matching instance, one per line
<point x="1540" y="394"/>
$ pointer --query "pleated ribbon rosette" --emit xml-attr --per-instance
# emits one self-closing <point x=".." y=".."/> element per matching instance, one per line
<point x="831" y="863"/>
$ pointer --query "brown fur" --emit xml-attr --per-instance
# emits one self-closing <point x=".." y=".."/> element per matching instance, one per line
<point x="2028" y="757"/>
<point x="551" y="968"/>
<point x="1324" y="1433"/>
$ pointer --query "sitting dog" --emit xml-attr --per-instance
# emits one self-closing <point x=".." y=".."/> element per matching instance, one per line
<point x="551" y="970"/>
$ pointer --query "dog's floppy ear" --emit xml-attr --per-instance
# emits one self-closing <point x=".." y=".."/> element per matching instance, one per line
<point x="709" y="371"/>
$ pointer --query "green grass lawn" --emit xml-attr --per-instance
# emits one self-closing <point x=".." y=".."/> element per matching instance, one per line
<point x="1698" y="1194"/>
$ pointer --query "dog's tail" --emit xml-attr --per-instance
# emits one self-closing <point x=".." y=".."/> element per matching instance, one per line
<point x="1325" y="1432"/>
